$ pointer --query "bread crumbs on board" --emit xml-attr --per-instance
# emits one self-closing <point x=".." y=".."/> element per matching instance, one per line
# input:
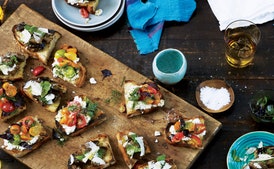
<point x="214" y="98"/>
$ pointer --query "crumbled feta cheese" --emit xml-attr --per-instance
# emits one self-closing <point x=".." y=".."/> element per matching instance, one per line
<point x="98" y="12"/>
<point x="35" y="87"/>
<point x="25" y="36"/>
<point x="157" y="133"/>
<point x="92" y="81"/>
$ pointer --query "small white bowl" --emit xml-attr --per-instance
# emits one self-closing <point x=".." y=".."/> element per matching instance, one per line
<point x="169" y="66"/>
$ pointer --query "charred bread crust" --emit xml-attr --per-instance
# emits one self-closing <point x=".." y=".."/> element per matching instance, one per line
<point x="129" y="86"/>
<point x="82" y="76"/>
<point x="102" y="140"/>
<point x="59" y="88"/>
<point x="98" y="119"/>
<point x="90" y="5"/>
<point x="36" y="50"/>
<point x="18" y="72"/>
<point x="130" y="162"/>
<point x="187" y="132"/>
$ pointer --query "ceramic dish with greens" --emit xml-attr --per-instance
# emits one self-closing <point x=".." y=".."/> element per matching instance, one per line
<point x="262" y="106"/>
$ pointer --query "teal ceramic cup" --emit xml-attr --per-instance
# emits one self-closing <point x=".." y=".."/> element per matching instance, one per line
<point x="169" y="66"/>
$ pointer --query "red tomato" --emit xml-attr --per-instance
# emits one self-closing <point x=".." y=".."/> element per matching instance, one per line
<point x="8" y="107"/>
<point x="38" y="70"/>
<point x="81" y="121"/>
<point x="84" y="12"/>
<point x="72" y="119"/>
<point x="199" y="128"/>
<point x="178" y="137"/>
<point x="27" y="121"/>
<point x="195" y="140"/>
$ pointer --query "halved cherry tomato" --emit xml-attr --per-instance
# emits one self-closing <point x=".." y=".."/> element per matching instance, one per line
<point x="15" y="129"/>
<point x="72" y="120"/>
<point x="178" y="137"/>
<point x="38" y="70"/>
<point x="81" y="121"/>
<point x="8" y="107"/>
<point x="177" y="126"/>
<point x="199" y="128"/>
<point x="10" y="89"/>
<point x="84" y="12"/>
<point x="27" y="121"/>
<point x="25" y="136"/>
<point x="195" y="140"/>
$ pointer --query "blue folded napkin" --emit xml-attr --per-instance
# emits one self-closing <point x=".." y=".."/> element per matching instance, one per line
<point x="146" y="19"/>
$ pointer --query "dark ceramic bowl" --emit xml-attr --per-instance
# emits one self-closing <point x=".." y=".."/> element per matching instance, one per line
<point x="262" y="106"/>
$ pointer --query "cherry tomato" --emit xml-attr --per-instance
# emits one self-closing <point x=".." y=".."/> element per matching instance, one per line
<point x="178" y="137"/>
<point x="199" y="128"/>
<point x="38" y="70"/>
<point x="8" y="107"/>
<point x="195" y="140"/>
<point x="72" y="120"/>
<point x="27" y="121"/>
<point x="81" y="121"/>
<point x="84" y="13"/>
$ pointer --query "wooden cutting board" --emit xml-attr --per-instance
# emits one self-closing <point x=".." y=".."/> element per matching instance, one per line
<point x="51" y="154"/>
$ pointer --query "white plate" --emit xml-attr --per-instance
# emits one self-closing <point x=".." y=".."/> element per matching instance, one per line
<point x="94" y="28"/>
<point x="72" y="14"/>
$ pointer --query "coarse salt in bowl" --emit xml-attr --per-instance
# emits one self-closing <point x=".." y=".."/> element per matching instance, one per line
<point x="214" y="96"/>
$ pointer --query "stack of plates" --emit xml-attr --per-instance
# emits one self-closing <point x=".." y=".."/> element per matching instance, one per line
<point x="70" y="16"/>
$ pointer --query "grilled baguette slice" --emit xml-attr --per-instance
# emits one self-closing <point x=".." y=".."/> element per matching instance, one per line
<point x="103" y="154"/>
<point x="12" y="66"/>
<point x="68" y="67"/>
<point x="129" y="140"/>
<point x="74" y="118"/>
<point x="142" y="98"/>
<point x="36" y="41"/>
<point x="18" y="144"/>
<point x="51" y="99"/>
<point x="12" y="97"/>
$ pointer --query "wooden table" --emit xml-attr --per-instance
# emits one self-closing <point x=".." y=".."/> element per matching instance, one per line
<point x="202" y="43"/>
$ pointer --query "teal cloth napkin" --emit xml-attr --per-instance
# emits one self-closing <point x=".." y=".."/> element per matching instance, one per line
<point x="146" y="19"/>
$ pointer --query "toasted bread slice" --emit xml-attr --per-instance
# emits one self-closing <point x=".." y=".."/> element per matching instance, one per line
<point x="45" y="91"/>
<point x="186" y="132"/>
<point x="36" y="41"/>
<point x="12" y="99"/>
<point x="90" y="5"/>
<point x="142" y="98"/>
<point x="18" y="143"/>
<point x="12" y="66"/>
<point x="162" y="162"/>
<point x="101" y="149"/>
<point x="67" y="66"/>
<point x="78" y="115"/>
<point x="132" y="146"/>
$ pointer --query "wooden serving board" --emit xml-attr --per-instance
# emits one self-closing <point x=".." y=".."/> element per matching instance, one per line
<point x="51" y="154"/>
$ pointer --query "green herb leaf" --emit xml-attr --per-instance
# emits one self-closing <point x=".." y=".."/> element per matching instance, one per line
<point x="234" y="156"/>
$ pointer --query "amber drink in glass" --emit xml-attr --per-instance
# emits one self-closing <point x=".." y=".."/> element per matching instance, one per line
<point x="241" y="39"/>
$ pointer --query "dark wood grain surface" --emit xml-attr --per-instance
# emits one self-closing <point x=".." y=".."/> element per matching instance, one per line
<point x="202" y="43"/>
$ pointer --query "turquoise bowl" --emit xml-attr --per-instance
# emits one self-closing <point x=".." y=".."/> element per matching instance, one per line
<point x="169" y="66"/>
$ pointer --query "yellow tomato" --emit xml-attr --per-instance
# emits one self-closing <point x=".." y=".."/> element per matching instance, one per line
<point x="71" y="56"/>
<point x="10" y="89"/>
<point x="1" y="14"/>
<point x="35" y="130"/>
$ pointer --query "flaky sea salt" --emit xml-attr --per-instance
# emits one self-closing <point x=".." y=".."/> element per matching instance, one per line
<point x="214" y="98"/>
